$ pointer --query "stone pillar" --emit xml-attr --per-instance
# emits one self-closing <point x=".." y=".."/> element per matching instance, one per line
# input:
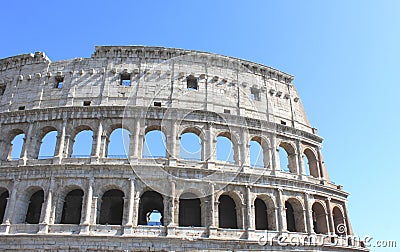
<point x="60" y="145"/>
<point x="131" y="201"/>
<point x="274" y="165"/>
<point x="172" y="143"/>
<point x="349" y="230"/>
<point x="9" y="212"/>
<point x="44" y="225"/>
<point x="244" y="149"/>
<point x="134" y="141"/>
<point x="281" y="209"/>
<point x="250" y="225"/>
<point x="209" y="147"/>
<point x="331" y="224"/>
<point x="213" y="212"/>
<point x="89" y="195"/>
<point x="93" y="208"/>
<point x="308" y="215"/>
<point x="97" y="143"/>
<point x="323" y="173"/>
<point x="26" y="145"/>
<point x="301" y="166"/>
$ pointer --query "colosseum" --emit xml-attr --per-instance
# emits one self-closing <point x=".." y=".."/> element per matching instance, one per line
<point x="255" y="181"/>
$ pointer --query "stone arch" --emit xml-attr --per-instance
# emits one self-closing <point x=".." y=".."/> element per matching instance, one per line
<point x="155" y="134"/>
<point x="34" y="210"/>
<point x="111" y="207"/>
<point x="4" y="195"/>
<point x="265" y="216"/>
<point x="339" y="221"/>
<point x="82" y="147"/>
<point x="60" y="196"/>
<point x="230" y="211"/>
<point x="14" y="141"/>
<point x="46" y="143"/>
<point x="118" y="142"/>
<point x="150" y="201"/>
<point x="290" y="156"/>
<point x="312" y="163"/>
<point x="190" y="212"/>
<point x="319" y="217"/>
<point x="294" y="215"/>
<point x="72" y="207"/>
<point x="264" y="151"/>
<point x="233" y="155"/>
<point x="200" y="137"/>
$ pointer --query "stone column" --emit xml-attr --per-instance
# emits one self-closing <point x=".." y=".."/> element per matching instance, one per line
<point x="172" y="144"/>
<point x="308" y="215"/>
<point x="250" y="225"/>
<point x="131" y="201"/>
<point x="301" y="166"/>
<point x="26" y="145"/>
<point x="89" y="195"/>
<point x="323" y="173"/>
<point x="274" y="165"/>
<point x="349" y="230"/>
<point x="9" y="212"/>
<point x="244" y="149"/>
<point x="209" y="147"/>
<point x="134" y="141"/>
<point x="331" y="224"/>
<point x="281" y="209"/>
<point x="97" y="143"/>
<point x="60" y="145"/>
<point x="44" y="225"/>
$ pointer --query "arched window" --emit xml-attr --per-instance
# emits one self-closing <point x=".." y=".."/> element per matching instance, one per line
<point x="294" y="216"/>
<point x="225" y="149"/>
<point x="72" y="208"/>
<point x="83" y="144"/>
<point x="151" y="209"/>
<point x="118" y="147"/>
<point x="190" y="146"/>
<point x="112" y="207"/>
<point x="154" y="144"/>
<point x="227" y="212"/>
<point x="48" y="145"/>
<point x="259" y="156"/>
<point x="261" y="214"/>
<point x="189" y="210"/>
<point x="287" y="158"/>
<point x="3" y="204"/>
<point x="338" y="221"/>
<point x="17" y="143"/>
<point x="35" y="207"/>
<point x="319" y="219"/>
<point x="310" y="163"/>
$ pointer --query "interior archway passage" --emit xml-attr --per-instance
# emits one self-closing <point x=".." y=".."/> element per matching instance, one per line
<point x="150" y="201"/>
<point x="189" y="210"/>
<point x="112" y="207"/>
<point x="72" y="207"/>
<point x="35" y="208"/>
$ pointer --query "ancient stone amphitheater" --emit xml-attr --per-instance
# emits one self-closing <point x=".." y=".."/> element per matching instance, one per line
<point x="270" y="192"/>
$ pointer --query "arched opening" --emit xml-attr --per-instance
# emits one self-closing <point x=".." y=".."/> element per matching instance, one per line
<point x="338" y="221"/>
<point x="190" y="146"/>
<point x="72" y="208"/>
<point x="83" y="144"/>
<point x="287" y="158"/>
<point x="3" y="204"/>
<point x="227" y="212"/>
<point x="118" y="147"/>
<point x="154" y="144"/>
<point x="112" y="207"/>
<point x="319" y="219"/>
<point x="310" y="163"/>
<point x="294" y="216"/>
<point x="189" y="210"/>
<point x="225" y="148"/>
<point x="261" y="214"/>
<point x="259" y="156"/>
<point x="151" y="205"/>
<point x="35" y="208"/>
<point x="48" y="145"/>
<point x="15" y="150"/>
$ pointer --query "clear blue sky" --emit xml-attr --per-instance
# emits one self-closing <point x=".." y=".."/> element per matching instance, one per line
<point x="344" y="56"/>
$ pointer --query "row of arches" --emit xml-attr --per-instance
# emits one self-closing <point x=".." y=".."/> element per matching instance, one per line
<point x="191" y="147"/>
<point x="191" y="209"/>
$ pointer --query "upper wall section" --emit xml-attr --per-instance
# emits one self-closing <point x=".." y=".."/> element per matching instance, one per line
<point x="152" y="76"/>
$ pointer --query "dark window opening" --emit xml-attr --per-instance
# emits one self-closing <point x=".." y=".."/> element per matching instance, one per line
<point x="227" y="212"/>
<point x="283" y="122"/>
<point x="255" y="94"/>
<point x="112" y="207"/>
<point x="35" y="208"/>
<point x="189" y="210"/>
<point x="125" y="80"/>
<point x="59" y="82"/>
<point x="87" y="103"/>
<point x="191" y="83"/>
<point x="3" y="204"/>
<point x="2" y="89"/>
<point x="21" y="108"/>
<point x="157" y="104"/>
<point x="151" y="204"/>
<point x="290" y="220"/>
<point x="72" y="208"/>
<point x="227" y="111"/>
<point x="261" y="215"/>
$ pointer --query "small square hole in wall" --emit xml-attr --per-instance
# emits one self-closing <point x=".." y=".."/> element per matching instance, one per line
<point x="283" y="122"/>
<point x="157" y="104"/>
<point x="191" y="83"/>
<point x="87" y="103"/>
<point x="21" y="108"/>
<point x="255" y="94"/>
<point x="227" y="111"/>
<point x="125" y="79"/>
<point x="59" y="82"/>
<point x="2" y="89"/>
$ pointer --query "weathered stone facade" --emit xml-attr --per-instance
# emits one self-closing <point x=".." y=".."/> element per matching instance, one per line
<point x="175" y="91"/>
